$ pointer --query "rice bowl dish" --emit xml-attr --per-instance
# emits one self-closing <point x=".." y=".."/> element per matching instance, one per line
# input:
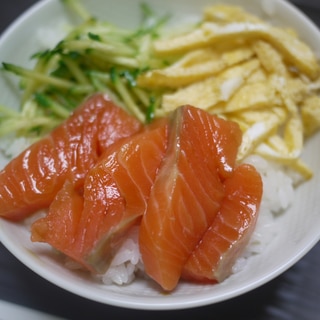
<point x="282" y="235"/>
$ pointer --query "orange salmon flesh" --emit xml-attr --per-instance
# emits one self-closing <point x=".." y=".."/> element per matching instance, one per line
<point x="102" y="172"/>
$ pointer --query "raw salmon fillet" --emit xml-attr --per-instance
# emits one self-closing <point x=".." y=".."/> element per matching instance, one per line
<point x="230" y="231"/>
<point x="89" y="225"/>
<point x="31" y="180"/>
<point x="187" y="192"/>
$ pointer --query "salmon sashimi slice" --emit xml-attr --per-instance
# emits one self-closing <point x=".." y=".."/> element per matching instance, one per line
<point x="187" y="192"/>
<point x="230" y="231"/>
<point x="31" y="181"/>
<point x="93" y="224"/>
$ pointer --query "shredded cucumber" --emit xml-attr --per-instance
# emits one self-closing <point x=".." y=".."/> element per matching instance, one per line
<point x="95" y="56"/>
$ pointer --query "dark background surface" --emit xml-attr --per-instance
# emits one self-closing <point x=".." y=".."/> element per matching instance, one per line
<point x="295" y="295"/>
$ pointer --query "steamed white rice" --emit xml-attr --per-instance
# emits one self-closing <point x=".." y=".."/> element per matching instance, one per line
<point x="126" y="263"/>
<point x="10" y="147"/>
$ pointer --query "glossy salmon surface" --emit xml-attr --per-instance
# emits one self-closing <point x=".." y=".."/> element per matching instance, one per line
<point x="102" y="172"/>
<point x="90" y="224"/>
<point x="31" y="181"/>
<point x="187" y="192"/>
<point x="226" y="238"/>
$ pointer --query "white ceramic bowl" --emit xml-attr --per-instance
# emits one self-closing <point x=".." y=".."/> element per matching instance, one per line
<point x="299" y="226"/>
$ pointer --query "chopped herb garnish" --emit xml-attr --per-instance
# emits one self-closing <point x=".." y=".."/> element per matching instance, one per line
<point x="94" y="56"/>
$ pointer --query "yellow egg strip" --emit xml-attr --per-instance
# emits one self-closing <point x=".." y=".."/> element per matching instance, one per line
<point x="235" y="65"/>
